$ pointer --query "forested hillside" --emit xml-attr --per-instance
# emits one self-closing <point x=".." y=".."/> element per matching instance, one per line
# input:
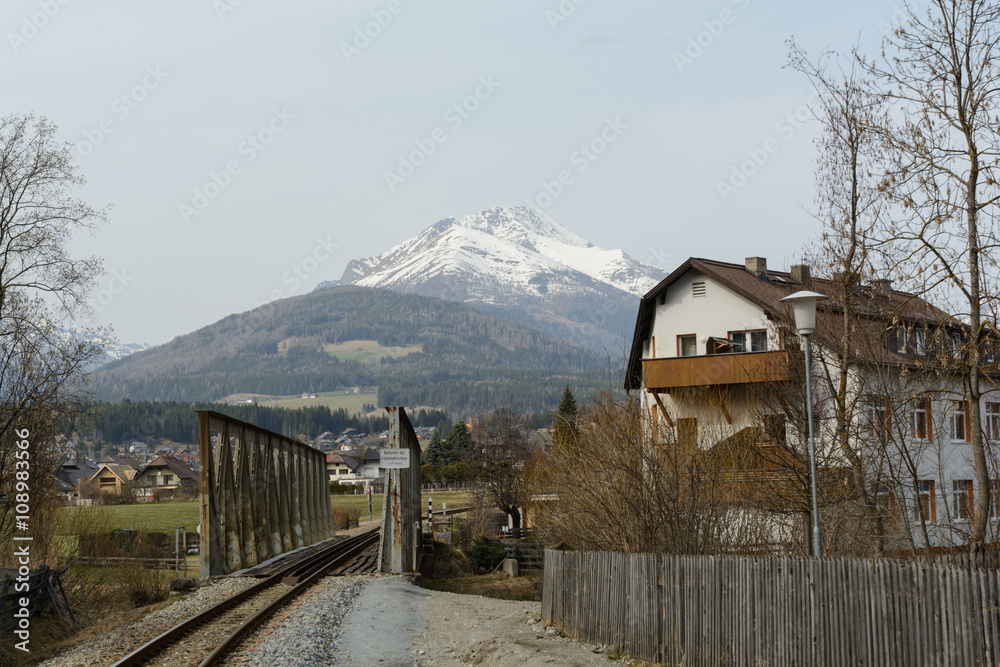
<point x="466" y="361"/>
<point x="125" y="421"/>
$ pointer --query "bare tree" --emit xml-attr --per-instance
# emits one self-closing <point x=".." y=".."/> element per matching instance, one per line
<point x="42" y="290"/>
<point x="850" y="205"/>
<point x="501" y="452"/>
<point x="938" y="77"/>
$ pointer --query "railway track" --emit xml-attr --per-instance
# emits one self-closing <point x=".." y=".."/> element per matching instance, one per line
<point x="206" y="638"/>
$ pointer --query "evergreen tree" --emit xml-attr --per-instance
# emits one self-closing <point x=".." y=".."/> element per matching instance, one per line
<point x="565" y="427"/>
<point x="434" y="451"/>
<point x="457" y="445"/>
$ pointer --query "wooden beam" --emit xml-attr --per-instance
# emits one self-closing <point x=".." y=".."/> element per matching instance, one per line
<point x="722" y="405"/>
<point x="663" y="409"/>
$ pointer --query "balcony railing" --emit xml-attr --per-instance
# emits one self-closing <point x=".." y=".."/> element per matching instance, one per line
<point x="716" y="369"/>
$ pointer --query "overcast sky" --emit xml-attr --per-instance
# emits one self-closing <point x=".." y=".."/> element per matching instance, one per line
<point x="251" y="149"/>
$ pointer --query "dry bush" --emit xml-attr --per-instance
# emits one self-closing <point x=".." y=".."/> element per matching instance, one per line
<point x="618" y="488"/>
<point x="345" y="518"/>
<point x="94" y="591"/>
<point x="480" y="521"/>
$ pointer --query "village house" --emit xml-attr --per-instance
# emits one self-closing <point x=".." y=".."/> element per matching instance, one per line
<point x="717" y="364"/>
<point x="165" y="477"/>
<point x="112" y="477"/>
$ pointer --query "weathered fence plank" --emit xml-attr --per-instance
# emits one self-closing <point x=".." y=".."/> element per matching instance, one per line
<point x="775" y="611"/>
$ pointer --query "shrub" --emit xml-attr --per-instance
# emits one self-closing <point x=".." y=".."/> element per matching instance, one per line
<point x="486" y="554"/>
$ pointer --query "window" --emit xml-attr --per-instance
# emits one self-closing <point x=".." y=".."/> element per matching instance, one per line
<point x="107" y="481"/>
<point x="919" y="343"/>
<point x="151" y="480"/>
<point x="958" y="421"/>
<point x="961" y="499"/>
<point x="758" y="341"/>
<point x="954" y="342"/>
<point x="790" y="341"/>
<point x="168" y="479"/>
<point x="901" y="339"/>
<point x="687" y="346"/>
<point x="875" y="417"/>
<point x="920" y="419"/>
<point x="739" y="339"/>
<point x="993" y="421"/>
<point x="774" y="429"/>
<point x="923" y="506"/>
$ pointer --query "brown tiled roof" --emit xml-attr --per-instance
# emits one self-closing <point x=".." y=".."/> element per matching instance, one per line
<point x="869" y="303"/>
<point x="176" y="466"/>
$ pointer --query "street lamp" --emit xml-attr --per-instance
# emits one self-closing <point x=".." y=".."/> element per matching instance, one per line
<point x="804" y="307"/>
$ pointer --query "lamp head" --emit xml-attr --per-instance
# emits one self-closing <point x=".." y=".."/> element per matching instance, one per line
<point x="804" y="307"/>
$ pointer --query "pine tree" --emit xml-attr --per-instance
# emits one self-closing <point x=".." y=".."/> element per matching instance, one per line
<point x="457" y="445"/>
<point x="565" y="427"/>
<point x="434" y="451"/>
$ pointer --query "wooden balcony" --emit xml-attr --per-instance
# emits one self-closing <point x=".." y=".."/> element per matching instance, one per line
<point x="717" y="369"/>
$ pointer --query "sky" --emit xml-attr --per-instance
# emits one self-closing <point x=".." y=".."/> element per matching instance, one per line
<point x="249" y="150"/>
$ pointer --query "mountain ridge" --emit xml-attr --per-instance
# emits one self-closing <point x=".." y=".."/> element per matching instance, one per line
<point x="520" y="265"/>
<point x="467" y="360"/>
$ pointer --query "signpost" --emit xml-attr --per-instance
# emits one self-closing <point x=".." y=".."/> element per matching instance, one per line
<point x="394" y="458"/>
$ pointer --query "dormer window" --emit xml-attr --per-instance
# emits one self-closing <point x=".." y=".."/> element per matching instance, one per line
<point x="901" y="339"/>
<point x="919" y="342"/>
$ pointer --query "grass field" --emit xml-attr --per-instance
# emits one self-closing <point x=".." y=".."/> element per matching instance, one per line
<point x="353" y="403"/>
<point x="164" y="517"/>
<point x="367" y="350"/>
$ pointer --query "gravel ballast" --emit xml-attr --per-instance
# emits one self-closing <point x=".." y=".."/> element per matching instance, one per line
<point x="119" y="643"/>
<point x="304" y="633"/>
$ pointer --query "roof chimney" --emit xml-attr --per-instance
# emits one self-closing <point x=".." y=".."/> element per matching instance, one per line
<point x="800" y="273"/>
<point x="757" y="266"/>
<point x="883" y="286"/>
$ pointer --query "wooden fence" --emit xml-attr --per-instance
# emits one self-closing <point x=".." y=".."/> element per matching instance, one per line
<point x="701" y="610"/>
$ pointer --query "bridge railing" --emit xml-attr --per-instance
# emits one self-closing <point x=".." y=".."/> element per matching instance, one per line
<point x="262" y="494"/>
<point x="401" y="517"/>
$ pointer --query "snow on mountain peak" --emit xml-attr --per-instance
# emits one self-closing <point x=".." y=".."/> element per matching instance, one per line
<point x="505" y="247"/>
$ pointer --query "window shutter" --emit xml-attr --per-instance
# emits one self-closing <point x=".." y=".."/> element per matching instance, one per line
<point x="930" y="427"/>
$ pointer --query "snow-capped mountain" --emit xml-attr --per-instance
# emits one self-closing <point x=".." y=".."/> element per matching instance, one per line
<point x="116" y="351"/>
<point x="522" y="265"/>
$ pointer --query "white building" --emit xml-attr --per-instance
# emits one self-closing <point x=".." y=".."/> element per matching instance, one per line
<point x="716" y="360"/>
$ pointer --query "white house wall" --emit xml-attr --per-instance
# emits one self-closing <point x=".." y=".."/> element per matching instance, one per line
<point x="715" y="314"/>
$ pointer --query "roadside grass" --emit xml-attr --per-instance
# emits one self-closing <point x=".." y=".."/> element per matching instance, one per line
<point x="451" y="572"/>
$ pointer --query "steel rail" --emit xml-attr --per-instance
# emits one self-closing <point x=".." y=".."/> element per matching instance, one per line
<point x="251" y="623"/>
<point x="312" y="565"/>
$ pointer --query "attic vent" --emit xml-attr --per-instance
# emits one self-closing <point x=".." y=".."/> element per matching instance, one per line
<point x="698" y="289"/>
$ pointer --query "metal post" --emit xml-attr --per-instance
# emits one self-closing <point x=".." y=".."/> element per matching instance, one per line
<point x="430" y="515"/>
<point x="184" y="548"/>
<point x="368" y="490"/>
<point x="817" y="537"/>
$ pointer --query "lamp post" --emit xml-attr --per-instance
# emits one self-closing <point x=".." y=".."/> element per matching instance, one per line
<point x="804" y="307"/>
